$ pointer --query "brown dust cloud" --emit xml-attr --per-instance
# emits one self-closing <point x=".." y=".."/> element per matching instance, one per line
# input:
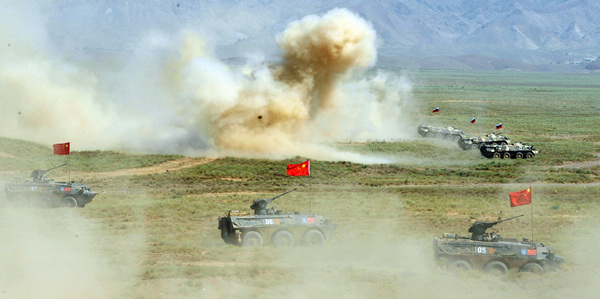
<point x="173" y="95"/>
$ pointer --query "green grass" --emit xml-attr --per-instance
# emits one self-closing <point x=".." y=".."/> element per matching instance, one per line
<point x="169" y="219"/>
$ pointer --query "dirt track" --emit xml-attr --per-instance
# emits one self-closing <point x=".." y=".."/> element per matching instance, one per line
<point x="582" y="164"/>
<point x="173" y="165"/>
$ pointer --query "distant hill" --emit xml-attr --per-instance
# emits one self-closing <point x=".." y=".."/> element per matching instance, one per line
<point x="511" y="34"/>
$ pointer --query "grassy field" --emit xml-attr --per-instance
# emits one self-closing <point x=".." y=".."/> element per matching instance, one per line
<point x="153" y="233"/>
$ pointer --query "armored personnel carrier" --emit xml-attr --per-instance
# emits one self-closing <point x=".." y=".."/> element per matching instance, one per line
<point x="46" y="193"/>
<point x="447" y="133"/>
<point x="492" y="139"/>
<point x="270" y="226"/>
<point x="491" y="253"/>
<point x="517" y="150"/>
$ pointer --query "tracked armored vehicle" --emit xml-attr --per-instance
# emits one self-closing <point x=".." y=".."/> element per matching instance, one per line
<point x="46" y="193"/>
<point x="492" y="253"/>
<point x="492" y="139"/>
<point x="270" y="226"/>
<point x="447" y="133"/>
<point x="514" y="151"/>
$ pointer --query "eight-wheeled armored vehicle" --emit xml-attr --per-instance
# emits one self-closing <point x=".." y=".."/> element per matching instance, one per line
<point x="492" y="253"/>
<point x="270" y="226"/>
<point x="447" y="133"/>
<point x="46" y="193"/>
<point x="492" y="139"/>
<point x="517" y="150"/>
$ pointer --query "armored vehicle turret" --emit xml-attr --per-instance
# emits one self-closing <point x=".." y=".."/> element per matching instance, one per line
<point x="492" y="139"/>
<point x="46" y="193"/>
<point x="514" y="151"/>
<point x="492" y="253"/>
<point x="447" y="133"/>
<point x="271" y="226"/>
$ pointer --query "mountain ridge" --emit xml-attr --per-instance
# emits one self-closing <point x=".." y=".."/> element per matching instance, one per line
<point x="537" y="32"/>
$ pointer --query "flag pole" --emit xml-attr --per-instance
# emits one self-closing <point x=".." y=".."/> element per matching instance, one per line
<point x="69" y="163"/>
<point x="309" y="196"/>
<point x="531" y="217"/>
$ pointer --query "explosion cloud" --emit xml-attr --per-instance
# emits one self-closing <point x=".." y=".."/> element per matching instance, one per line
<point x="187" y="101"/>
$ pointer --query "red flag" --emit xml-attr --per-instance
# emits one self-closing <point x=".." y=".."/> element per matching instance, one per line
<point x="520" y="198"/>
<point x="62" y="148"/>
<point x="299" y="169"/>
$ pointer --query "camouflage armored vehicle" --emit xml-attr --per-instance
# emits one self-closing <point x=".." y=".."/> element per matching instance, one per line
<point x="46" y="193"/>
<point x="517" y="150"/>
<point x="492" y="253"/>
<point x="270" y="226"/>
<point x="477" y="142"/>
<point x="447" y="133"/>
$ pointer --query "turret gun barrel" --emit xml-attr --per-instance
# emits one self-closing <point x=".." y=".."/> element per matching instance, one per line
<point x="478" y="228"/>
<point x="260" y="205"/>
<point x="38" y="174"/>
<point x="282" y="194"/>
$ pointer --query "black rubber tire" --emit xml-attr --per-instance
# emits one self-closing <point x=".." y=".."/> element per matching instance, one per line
<point x="448" y="137"/>
<point x="506" y="156"/>
<point x="474" y="146"/>
<point x="437" y="135"/>
<point x="520" y="155"/>
<point x="532" y="268"/>
<point x="68" y="202"/>
<point x="496" y="155"/>
<point x="459" y="266"/>
<point x="252" y="239"/>
<point x="314" y="238"/>
<point x="283" y="239"/>
<point x="529" y="155"/>
<point x="429" y="135"/>
<point x="496" y="268"/>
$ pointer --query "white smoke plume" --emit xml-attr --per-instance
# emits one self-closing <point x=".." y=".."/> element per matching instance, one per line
<point x="182" y="99"/>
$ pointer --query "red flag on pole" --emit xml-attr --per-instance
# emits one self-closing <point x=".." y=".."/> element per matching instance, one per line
<point x="62" y="148"/>
<point x="520" y="198"/>
<point x="299" y="169"/>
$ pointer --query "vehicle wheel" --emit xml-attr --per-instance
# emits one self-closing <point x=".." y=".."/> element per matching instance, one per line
<point x="496" y="155"/>
<point x="474" y="146"/>
<point x="455" y="137"/>
<point x="532" y="268"/>
<point x="495" y="268"/>
<point x="506" y="156"/>
<point x="519" y="155"/>
<point x="283" y="239"/>
<point x="529" y="155"/>
<point x="438" y="135"/>
<point x="252" y="239"/>
<point x="314" y="238"/>
<point x="448" y="137"/>
<point x="68" y="202"/>
<point x="459" y="266"/>
<point x="429" y="135"/>
<point x="503" y="143"/>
